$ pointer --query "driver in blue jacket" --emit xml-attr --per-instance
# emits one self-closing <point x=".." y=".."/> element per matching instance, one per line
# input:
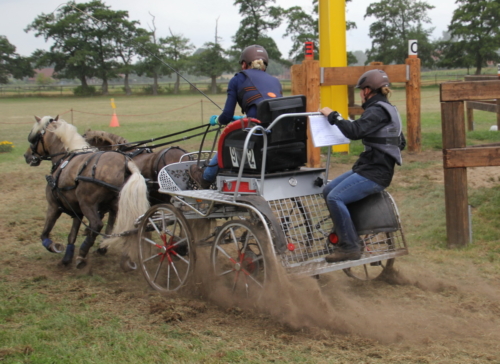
<point x="380" y="130"/>
<point x="247" y="88"/>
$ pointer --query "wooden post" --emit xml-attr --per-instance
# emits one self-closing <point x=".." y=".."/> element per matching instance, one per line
<point x="470" y="118"/>
<point x="311" y="76"/>
<point x="498" y="114"/>
<point x="455" y="179"/>
<point x="414" y="133"/>
<point x="350" y="97"/>
<point x="305" y="81"/>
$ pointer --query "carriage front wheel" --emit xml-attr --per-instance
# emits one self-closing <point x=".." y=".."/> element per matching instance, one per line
<point x="374" y="244"/>
<point x="166" y="250"/>
<point x="238" y="257"/>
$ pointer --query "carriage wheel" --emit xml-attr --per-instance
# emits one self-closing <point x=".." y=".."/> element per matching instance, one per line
<point x="373" y="243"/>
<point x="166" y="251"/>
<point x="238" y="257"/>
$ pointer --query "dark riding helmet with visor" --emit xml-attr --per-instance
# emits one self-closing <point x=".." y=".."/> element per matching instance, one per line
<point x="373" y="79"/>
<point x="252" y="53"/>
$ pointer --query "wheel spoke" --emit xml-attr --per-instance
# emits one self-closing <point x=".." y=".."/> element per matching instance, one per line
<point x="252" y="278"/>
<point x="158" y="270"/>
<point x="152" y="257"/>
<point x="233" y="238"/>
<point x="219" y="248"/>
<point x="366" y="271"/>
<point x="226" y="272"/>
<point x="180" y="257"/>
<point x="152" y="222"/>
<point x="154" y="243"/>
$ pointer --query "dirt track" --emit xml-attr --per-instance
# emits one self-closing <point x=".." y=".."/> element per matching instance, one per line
<point x="439" y="313"/>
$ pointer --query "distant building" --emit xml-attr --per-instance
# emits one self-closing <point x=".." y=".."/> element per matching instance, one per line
<point x="47" y="72"/>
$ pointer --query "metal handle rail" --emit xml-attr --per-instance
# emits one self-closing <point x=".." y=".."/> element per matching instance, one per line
<point x="264" y="155"/>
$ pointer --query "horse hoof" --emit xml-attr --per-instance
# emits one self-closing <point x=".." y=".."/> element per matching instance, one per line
<point x="52" y="247"/>
<point x="81" y="263"/>
<point x="56" y="248"/>
<point x="102" y="251"/>
<point x="127" y="265"/>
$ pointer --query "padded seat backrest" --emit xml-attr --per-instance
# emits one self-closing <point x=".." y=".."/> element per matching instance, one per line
<point x="287" y="141"/>
<point x="288" y="129"/>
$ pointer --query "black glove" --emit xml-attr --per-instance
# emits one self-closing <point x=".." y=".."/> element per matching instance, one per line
<point x="334" y="117"/>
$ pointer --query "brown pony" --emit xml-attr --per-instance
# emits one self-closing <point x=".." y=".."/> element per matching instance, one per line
<point x="149" y="160"/>
<point x="84" y="183"/>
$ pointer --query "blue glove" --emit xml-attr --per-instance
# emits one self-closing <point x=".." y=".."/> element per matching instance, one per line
<point x="238" y="117"/>
<point x="214" y="120"/>
<point x="334" y="117"/>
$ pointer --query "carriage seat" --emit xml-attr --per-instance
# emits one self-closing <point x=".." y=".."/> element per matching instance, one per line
<point x="286" y="141"/>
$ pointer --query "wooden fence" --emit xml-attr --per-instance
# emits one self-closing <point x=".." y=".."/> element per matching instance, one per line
<point x="457" y="156"/>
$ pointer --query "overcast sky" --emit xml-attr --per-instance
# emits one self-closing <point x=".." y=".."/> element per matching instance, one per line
<point x="194" y="19"/>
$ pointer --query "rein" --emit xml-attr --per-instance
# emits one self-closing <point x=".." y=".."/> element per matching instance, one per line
<point x="133" y="145"/>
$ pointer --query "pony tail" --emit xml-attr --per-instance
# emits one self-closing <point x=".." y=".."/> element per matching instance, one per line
<point x="258" y="64"/>
<point x="133" y="202"/>
<point x="386" y="91"/>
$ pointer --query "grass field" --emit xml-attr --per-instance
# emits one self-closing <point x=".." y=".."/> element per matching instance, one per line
<point x="445" y="309"/>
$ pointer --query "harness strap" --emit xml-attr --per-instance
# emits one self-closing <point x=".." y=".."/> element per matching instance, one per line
<point x="98" y="182"/>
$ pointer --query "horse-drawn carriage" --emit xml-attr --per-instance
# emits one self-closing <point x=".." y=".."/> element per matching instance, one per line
<point x="265" y="209"/>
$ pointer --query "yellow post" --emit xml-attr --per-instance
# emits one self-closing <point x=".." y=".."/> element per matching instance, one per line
<point x="333" y="53"/>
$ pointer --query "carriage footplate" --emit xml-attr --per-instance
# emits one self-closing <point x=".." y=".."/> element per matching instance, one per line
<point x="377" y="250"/>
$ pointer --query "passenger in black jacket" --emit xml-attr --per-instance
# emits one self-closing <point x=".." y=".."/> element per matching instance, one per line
<point x="380" y="130"/>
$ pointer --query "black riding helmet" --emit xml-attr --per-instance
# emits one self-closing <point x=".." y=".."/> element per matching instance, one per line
<point x="373" y="79"/>
<point x="252" y="53"/>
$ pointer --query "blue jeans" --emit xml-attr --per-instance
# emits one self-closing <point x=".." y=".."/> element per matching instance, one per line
<point x="345" y="189"/>
<point x="210" y="172"/>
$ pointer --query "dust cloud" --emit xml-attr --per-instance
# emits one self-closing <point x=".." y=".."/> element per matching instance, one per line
<point x="405" y="306"/>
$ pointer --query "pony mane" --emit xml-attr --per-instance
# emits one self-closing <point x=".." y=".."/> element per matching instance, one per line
<point x="69" y="136"/>
<point x="104" y="140"/>
<point x="66" y="132"/>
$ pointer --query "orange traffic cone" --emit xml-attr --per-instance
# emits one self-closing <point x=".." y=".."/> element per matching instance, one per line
<point x="114" y="121"/>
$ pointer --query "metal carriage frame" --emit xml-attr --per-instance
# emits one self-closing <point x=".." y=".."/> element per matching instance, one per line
<point x="271" y="218"/>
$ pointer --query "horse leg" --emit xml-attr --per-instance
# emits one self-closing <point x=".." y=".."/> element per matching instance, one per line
<point x="51" y="217"/>
<point x="109" y="229"/>
<point x="95" y="224"/>
<point x="70" y="248"/>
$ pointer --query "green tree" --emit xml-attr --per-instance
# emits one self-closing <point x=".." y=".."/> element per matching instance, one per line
<point x="303" y="26"/>
<point x="84" y="37"/>
<point x="258" y="18"/>
<point x="152" y="58"/>
<point x="11" y="63"/>
<point x="127" y="47"/>
<point x="475" y="35"/>
<point x="397" y="22"/>
<point x="211" y="61"/>
<point x="177" y="50"/>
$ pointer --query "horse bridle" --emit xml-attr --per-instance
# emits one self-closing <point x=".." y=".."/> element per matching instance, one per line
<point x="34" y="147"/>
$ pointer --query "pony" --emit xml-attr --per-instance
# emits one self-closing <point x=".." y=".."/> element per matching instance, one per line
<point x="149" y="160"/>
<point x="84" y="182"/>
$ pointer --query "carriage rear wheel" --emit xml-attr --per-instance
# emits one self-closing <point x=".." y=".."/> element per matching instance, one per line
<point x="374" y="244"/>
<point x="166" y="250"/>
<point x="238" y="258"/>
